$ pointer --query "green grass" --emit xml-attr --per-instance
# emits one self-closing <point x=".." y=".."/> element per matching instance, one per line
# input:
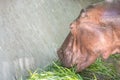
<point x="100" y="70"/>
<point x="55" y="72"/>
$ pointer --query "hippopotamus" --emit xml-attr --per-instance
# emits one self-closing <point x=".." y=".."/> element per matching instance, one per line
<point x="94" y="33"/>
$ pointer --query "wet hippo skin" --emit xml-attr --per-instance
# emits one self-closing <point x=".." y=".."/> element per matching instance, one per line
<point x="95" y="33"/>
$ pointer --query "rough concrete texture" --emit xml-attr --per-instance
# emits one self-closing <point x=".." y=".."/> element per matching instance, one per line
<point x="31" y="31"/>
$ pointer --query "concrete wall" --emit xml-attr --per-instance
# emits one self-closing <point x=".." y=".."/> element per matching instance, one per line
<point x="31" y="31"/>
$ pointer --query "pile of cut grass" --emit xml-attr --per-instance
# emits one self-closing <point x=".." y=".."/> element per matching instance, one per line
<point x="100" y="70"/>
<point x="55" y="72"/>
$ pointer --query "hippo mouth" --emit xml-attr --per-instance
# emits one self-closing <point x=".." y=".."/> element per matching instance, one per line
<point x="68" y="56"/>
<point x="65" y="52"/>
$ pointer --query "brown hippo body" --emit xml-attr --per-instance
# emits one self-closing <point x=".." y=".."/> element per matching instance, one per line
<point x="96" y="32"/>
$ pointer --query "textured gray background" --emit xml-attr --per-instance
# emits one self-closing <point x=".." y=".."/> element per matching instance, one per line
<point x="31" y="31"/>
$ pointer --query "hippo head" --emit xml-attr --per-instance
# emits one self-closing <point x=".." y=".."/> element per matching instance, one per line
<point x="88" y="39"/>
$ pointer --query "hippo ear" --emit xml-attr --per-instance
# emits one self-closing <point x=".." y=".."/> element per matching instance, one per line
<point x="82" y="14"/>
